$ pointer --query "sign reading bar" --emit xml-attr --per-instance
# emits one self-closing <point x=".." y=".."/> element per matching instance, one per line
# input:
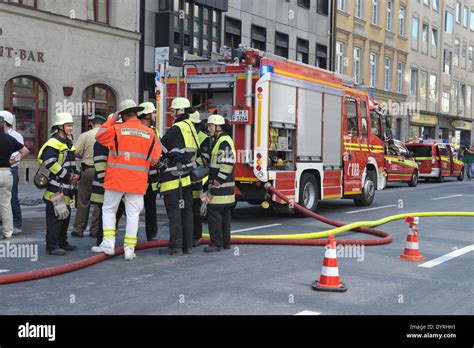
<point x="22" y="54"/>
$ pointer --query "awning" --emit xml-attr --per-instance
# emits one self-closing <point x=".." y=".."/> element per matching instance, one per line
<point x="423" y="119"/>
<point x="462" y="125"/>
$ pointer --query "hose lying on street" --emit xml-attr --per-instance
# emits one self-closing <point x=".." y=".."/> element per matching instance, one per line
<point x="308" y="239"/>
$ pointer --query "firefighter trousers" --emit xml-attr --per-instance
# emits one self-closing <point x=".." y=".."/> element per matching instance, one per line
<point x="133" y="206"/>
<point x="83" y="204"/>
<point x="56" y="230"/>
<point x="150" y="213"/>
<point x="100" y="230"/>
<point x="218" y="219"/>
<point x="197" y="219"/>
<point x="180" y="215"/>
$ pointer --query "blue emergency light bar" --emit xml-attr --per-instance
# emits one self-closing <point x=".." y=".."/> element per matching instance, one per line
<point x="266" y="69"/>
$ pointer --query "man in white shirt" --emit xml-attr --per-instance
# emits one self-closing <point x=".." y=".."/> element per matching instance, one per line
<point x="16" y="209"/>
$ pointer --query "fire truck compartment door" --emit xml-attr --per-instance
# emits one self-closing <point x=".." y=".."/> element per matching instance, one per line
<point x="332" y="130"/>
<point x="283" y="103"/>
<point x="310" y="113"/>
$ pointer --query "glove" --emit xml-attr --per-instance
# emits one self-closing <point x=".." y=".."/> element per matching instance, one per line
<point x="203" y="208"/>
<point x="205" y="199"/>
<point x="60" y="208"/>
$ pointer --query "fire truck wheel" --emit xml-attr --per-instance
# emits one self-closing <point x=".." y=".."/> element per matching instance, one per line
<point x="368" y="191"/>
<point x="461" y="175"/>
<point x="414" y="179"/>
<point x="308" y="196"/>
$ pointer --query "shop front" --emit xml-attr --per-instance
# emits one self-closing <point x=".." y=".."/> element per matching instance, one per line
<point x="422" y="127"/>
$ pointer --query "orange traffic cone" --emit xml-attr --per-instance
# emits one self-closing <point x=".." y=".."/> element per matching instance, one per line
<point x="412" y="251"/>
<point x="329" y="279"/>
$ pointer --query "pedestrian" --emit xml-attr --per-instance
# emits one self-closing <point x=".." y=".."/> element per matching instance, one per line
<point x="197" y="187"/>
<point x="132" y="149"/>
<point x="468" y="158"/>
<point x="57" y="155"/>
<point x="85" y="151"/>
<point x="179" y="149"/>
<point x="97" y="196"/>
<point x="220" y="195"/>
<point x="16" y="209"/>
<point x="8" y="146"/>
<point x="148" y="119"/>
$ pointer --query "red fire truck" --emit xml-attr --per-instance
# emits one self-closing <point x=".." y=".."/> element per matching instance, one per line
<point x="400" y="165"/>
<point x="303" y="129"/>
<point x="437" y="161"/>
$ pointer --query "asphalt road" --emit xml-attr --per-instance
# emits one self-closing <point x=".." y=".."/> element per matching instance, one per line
<point x="266" y="279"/>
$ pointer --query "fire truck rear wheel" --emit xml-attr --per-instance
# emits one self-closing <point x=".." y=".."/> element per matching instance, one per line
<point x="368" y="190"/>
<point x="414" y="179"/>
<point x="440" y="178"/>
<point x="461" y="175"/>
<point x="308" y="196"/>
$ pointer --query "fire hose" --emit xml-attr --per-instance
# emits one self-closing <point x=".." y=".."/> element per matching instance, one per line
<point x="307" y="239"/>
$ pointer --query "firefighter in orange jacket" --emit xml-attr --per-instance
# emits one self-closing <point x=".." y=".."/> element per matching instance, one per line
<point x="133" y="148"/>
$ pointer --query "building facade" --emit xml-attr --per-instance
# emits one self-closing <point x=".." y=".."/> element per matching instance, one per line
<point x="371" y="46"/>
<point x="78" y="56"/>
<point x="442" y="70"/>
<point x="295" y="29"/>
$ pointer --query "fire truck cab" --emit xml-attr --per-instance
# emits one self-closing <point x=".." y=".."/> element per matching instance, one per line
<point x="437" y="161"/>
<point x="303" y="129"/>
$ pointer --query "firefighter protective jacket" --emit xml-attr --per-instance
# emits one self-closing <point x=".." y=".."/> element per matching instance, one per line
<point x="57" y="155"/>
<point x="222" y="170"/>
<point x="196" y="187"/>
<point x="133" y="148"/>
<point x="180" y="144"/>
<point x="100" y="164"/>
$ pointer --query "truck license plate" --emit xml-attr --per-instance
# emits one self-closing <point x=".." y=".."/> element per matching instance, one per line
<point x="240" y="116"/>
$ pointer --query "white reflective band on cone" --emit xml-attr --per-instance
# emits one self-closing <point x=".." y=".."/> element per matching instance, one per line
<point x="412" y="245"/>
<point x="330" y="271"/>
<point x="330" y="253"/>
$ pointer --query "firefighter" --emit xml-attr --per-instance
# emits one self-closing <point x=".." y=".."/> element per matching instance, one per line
<point x="97" y="196"/>
<point x="197" y="187"/>
<point x="148" y="118"/>
<point x="220" y="195"/>
<point x="179" y="148"/>
<point x="57" y="156"/>
<point x="132" y="149"/>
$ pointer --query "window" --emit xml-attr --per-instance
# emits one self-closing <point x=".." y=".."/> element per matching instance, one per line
<point x="472" y="20"/>
<point x="342" y="5"/>
<point x="462" y="99"/>
<point x="458" y="12"/>
<point x="425" y="37"/>
<point x="302" y="51"/>
<point x="101" y="11"/>
<point x="387" y="73"/>
<point x="357" y="64"/>
<point x="457" y="48"/>
<point x="26" y="3"/>
<point x="304" y="3"/>
<point x="414" y="82"/>
<point x="436" y="5"/>
<point x="363" y="110"/>
<point x="359" y="9"/>
<point x="339" y="57"/>
<point x="100" y="100"/>
<point x="433" y="93"/>
<point x="465" y="16"/>
<point x="464" y="55"/>
<point x="323" y="7"/>
<point x="401" y="21"/>
<point x="424" y="85"/>
<point x="445" y="102"/>
<point x="281" y="44"/>
<point x="27" y="98"/>
<point x="400" y="73"/>
<point x="232" y="32"/>
<point x="352" y="118"/>
<point x="321" y="56"/>
<point x="471" y="58"/>
<point x="259" y="37"/>
<point x="375" y="12"/>
<point x="373" y="70"/>
<point x="447" y="57"/>
<point x="389" y="14"/>
<point x="414" y="33"/>
<point x="448" y="22"/>
<point x="434" y="43"/>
